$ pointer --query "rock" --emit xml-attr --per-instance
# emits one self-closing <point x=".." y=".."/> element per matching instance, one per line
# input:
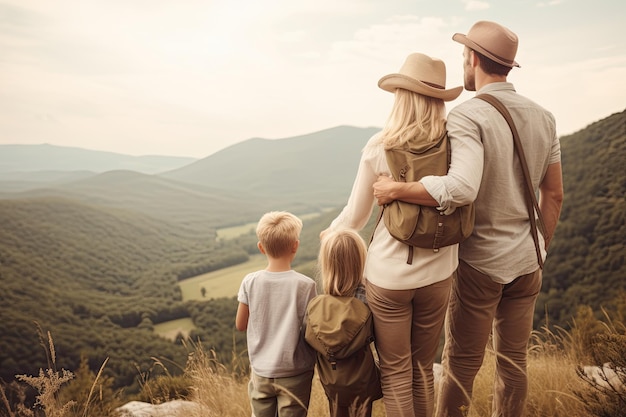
<point x="168" y="409"/>
<point x="606" y="376"/>
<point x="437" y="372"/>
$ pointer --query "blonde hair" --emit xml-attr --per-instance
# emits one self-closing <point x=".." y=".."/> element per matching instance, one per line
<point x="341" y="262"/>
<point x="277" y="231"/>
<point x="413" y="116"/>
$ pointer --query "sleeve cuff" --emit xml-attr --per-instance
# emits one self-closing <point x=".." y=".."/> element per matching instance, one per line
<point x="435" y="187"/>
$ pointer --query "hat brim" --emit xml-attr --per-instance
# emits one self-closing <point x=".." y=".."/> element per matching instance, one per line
<point x="461" y="38"/>
<point x="393" y="81"/>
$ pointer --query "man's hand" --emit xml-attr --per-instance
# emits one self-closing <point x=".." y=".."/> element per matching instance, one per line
<point x="383" y="188"/>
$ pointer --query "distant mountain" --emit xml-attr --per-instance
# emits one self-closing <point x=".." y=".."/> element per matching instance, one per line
<point x="236" y="185"/>
<point x="184" y="204"/>
<point x="316" y="167"/>
<point x="31" y="158"/>
<point x="18" y="181"/>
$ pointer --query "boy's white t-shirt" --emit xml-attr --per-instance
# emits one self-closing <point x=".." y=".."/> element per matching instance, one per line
<point x="277" y="302"/>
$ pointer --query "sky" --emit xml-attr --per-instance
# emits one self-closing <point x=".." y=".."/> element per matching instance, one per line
<point x="192" y="77"/>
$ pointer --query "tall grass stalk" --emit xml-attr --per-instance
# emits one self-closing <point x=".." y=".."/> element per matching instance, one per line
<point x="218" y="390"/>
<point x="93" y="386"/>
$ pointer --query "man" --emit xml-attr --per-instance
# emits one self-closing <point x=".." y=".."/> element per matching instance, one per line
<point x="499" y="274"/>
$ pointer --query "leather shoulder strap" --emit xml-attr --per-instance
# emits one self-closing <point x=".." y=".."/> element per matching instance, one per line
<point x="531" y="198"/>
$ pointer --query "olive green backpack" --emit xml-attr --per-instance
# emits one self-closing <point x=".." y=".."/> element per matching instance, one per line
<point x="340" y="329"/>
<point x="424" y="226"/>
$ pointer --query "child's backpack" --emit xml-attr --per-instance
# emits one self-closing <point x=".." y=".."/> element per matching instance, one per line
<point x="422" y="226"/>
<point x="340" y="329"/>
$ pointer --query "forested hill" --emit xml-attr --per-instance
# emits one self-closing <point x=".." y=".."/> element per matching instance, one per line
<point x="586" y="260"/>
<point x="97" y="279"/>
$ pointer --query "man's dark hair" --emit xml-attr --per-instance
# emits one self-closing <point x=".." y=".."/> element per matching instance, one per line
<point x="490" y="66"/>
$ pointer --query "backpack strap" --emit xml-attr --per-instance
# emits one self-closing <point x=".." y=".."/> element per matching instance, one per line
<point x="439" y="231"/>
<point x="531" y="198"/>
<point x="333" y="361"/>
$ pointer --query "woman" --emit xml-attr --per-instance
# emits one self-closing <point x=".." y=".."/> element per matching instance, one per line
<point x="408" y="300"/>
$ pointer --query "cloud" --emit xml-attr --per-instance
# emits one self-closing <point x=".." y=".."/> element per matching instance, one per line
<point x="140" y="73"/>
<point x="474" y="5"/>
<point x="395" y="37"/>
<point x="550" y="3"/>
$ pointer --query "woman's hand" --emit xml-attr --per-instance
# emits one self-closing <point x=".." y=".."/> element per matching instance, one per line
<point x="383" y="190"/>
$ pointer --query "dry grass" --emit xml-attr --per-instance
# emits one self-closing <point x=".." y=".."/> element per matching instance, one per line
<point x="221" y="391"/>
<point x="553" y="384"/>
<point x="48" y="385"/>
<point x="557" y="386"/>
<point x="552" y="376"/>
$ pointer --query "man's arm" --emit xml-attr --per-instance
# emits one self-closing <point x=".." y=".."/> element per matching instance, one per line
<point x="551" y="199"/>
<point x="459" y="187"/>
<point x="387" y="190"/>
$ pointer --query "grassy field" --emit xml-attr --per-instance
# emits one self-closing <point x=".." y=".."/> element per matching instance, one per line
<point x="244" y="229"/>
<point x="235" y="231"/>
<point x="225" y="282"/>
<point x="222" y="283"/>
<point x="171" y="329"/>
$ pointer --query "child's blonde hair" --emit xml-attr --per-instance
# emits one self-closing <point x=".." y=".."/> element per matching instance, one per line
<point x="277" y="231"/>
<point x="341" y="262"/>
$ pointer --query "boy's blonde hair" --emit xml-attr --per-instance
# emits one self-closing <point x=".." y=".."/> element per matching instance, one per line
<point x="277" y="231"/>
<point x="341" y="261"/>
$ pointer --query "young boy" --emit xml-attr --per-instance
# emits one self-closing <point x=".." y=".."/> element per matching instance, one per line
<point x="272" y="308"/>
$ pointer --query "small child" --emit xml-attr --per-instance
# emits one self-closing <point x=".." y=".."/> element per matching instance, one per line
<point x="340" y="329"/>
<point x="272" y="308"/>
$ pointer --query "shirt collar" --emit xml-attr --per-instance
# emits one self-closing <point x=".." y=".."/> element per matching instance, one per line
<point x="499" y="86"/>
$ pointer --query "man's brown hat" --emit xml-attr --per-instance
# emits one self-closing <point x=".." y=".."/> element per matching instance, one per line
<point x="492" y="40"/>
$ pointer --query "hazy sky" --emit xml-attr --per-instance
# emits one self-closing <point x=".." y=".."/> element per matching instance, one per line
<point x="191" y="77"/>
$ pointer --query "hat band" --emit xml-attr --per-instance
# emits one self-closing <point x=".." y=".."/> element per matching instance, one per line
<point x="434" y="85"/>
<point x="508" y="61"/>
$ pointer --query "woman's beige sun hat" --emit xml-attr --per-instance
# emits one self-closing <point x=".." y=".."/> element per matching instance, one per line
<point x="492" y="40"/>
<point x="421" y="74"/>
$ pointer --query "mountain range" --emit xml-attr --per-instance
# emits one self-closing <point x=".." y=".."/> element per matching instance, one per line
<point x="235" y="185"/>
<point x="16" y="159"/>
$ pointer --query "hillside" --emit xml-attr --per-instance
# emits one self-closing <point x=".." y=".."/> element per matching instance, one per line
<point x="24" y="159"/>
<point x="317" y="168"/>
<point x="97" y="279"/>
<point x="189" y="205"/>
<point x="236" y="185"/>
<point x="586" y="261"/>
